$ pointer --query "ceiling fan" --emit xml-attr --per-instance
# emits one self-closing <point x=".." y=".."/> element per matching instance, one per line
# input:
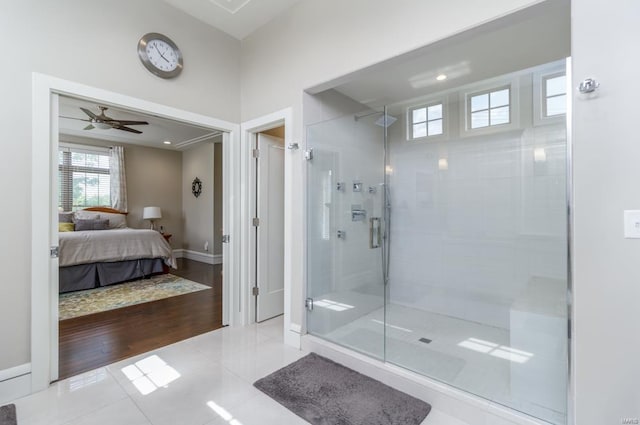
<point x="103" y="122"/>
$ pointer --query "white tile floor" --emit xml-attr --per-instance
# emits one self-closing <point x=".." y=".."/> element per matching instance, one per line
<point x="206" y="380"/>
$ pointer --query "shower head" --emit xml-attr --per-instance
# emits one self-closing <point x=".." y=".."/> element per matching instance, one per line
<point x="386" y="120"/>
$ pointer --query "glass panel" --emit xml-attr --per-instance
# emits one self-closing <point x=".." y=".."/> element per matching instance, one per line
<point x="419" y="130"/>
<point x="477" y="258"/>
<point x="557" y="105"/>
<point x="344" y="192"/>
<point x="556" y="85"/>
<point x="435" y="112"/>
<point x="475" y="250"/>
<point x="500" y="116"/>
<point x="435" y="127"/>
<point x="480" y="119"/>
<point x="479" y="102"/>
<point x="500" y="98"/>
<point x="419" y="115"/>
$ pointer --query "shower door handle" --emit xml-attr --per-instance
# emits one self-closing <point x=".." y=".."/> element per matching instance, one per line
<point x="375" y="232"/>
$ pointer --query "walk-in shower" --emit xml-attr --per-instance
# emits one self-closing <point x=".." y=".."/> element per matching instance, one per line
<point x="437" y="240"/>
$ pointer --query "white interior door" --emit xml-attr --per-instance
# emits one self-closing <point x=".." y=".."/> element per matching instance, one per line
<point x="270" y="230"/>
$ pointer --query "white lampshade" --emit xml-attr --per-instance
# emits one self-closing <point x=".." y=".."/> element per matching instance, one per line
<point x="151" y="213"/>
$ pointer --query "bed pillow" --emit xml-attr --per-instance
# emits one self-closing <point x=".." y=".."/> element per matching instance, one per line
<point x="65" y="217"/>
<point x="85" y="215"/>
<point x="116" y="221"/>
<point x="66" y="227"/>
<point x="92" y="224"/>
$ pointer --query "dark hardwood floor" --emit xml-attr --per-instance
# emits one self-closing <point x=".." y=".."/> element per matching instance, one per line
<point x="95" y="340"/>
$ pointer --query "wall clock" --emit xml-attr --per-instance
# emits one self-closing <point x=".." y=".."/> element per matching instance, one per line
<point x="160" y="55"/>
<point x="196" y="187"/>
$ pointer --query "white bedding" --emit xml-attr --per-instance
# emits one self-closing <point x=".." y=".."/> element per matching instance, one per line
<point x="96" y="246"/>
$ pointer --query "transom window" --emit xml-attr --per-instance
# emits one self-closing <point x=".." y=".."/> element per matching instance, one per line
<point x="490" y="108"/>
<point x="426" y="121"/>
<point x="554" y="95"/>
<point x="83" y="179"/>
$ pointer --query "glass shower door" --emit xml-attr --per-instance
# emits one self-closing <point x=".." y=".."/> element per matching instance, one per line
<point x="345" y="286"/>
<point x="478" y="246"/>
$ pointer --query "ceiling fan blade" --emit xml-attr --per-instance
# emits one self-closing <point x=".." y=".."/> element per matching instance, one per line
<point x="131" y="130"/>
<point x="89" y="127"/>
<point x="74" y="118"/>
<point x="121" y="122"/>
<point x="89" y="113"/>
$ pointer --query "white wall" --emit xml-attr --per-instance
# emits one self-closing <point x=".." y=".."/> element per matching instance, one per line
<point x="606" y="175"/>
<point x="197" y="213"/>
<point x="323" y="39"/>
<point x="84" y="42"/>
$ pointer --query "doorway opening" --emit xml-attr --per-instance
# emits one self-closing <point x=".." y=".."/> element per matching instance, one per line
<point x="45" y="262"/>
<point x="161" y="285"/>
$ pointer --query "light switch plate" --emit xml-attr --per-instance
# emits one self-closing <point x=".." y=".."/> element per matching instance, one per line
<point x="632" y="224"/>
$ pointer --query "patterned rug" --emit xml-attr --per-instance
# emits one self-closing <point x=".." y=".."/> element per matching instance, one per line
<point x="81" y="303"/>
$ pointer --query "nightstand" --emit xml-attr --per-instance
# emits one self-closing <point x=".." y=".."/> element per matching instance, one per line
<point x="167" y="236"/>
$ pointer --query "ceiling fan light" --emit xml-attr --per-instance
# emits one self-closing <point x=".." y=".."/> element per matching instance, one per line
<point x="101" y="125"/>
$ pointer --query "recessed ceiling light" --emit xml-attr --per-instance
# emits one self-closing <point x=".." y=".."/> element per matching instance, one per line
<point x="166" y="142"/>
<point x="441" y="77"/>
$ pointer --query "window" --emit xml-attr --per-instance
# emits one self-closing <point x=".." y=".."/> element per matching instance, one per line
<point x="554" y="95"/>
<point x="489" y="108"/>
<point x="83" y="178"/>
<point x="426" y="121"/>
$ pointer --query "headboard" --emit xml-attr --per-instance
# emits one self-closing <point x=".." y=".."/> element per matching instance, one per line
<point x="105" y="210"/>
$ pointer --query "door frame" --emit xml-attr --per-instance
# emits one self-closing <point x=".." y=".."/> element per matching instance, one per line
<point x="44" y="145"/>
<point x="248" y="131"/>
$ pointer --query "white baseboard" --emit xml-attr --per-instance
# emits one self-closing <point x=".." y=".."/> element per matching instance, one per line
<point x="202" y="257"/>
<point x="15" y="382"/>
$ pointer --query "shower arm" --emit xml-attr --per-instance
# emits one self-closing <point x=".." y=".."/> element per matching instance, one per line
<point x="357" y="117"/>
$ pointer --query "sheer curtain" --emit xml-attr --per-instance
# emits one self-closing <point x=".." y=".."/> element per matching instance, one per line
<point x="118" y="179"/>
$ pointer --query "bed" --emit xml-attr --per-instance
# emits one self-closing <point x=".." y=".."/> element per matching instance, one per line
<point x="102" y="250"/>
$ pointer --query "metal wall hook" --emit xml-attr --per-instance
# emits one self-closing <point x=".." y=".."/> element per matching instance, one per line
<point x="588" y="85"/>
<point x="293" y="146"/>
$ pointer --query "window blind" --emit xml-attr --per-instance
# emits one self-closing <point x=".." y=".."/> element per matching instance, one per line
<point x="83" y="177"/>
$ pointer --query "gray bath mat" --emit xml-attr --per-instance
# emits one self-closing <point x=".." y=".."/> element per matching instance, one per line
<point x="326" y="393"/>
<point x="8" y="415"/>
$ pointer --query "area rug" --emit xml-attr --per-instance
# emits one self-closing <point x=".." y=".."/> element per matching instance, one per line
<point x="324" y="392"/>
<point x="81" y="303"/>
<point x="8" y="415"/>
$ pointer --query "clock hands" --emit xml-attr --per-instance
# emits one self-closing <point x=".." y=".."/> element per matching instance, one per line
<point x="161" y="55"/>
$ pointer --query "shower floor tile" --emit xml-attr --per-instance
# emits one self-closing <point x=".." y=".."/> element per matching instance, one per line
<point x="471" y="356"/>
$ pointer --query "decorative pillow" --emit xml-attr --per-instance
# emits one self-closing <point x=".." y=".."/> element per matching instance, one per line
<point x="65" y="217"/>
<point x="66" y="227"/>
<point x="95" y="224"/>
<point x="85" y="215"/>
<point x="116" y="221"/>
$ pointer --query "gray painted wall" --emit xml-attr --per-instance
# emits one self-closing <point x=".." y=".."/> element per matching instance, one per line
<point x="197" y="213"/>
<point x="153" y="179"/>
<point x="217" y="199"/>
